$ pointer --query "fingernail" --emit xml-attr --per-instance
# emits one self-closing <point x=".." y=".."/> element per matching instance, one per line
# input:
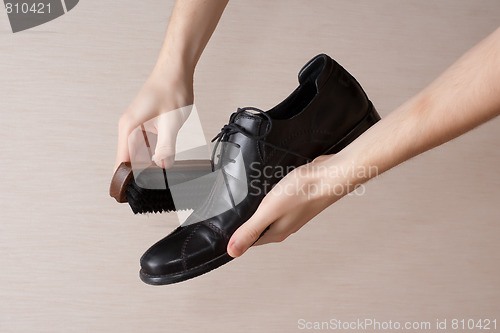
<point x="235" y="249"/>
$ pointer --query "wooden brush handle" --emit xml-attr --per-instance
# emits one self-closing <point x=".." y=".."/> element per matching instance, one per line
<point x="122" y="176"/>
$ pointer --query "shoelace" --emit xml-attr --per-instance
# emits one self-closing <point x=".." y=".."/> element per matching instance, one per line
<point x="232" y="128"/>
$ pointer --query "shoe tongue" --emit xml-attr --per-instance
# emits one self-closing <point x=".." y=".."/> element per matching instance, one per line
<point x="250" y="121"/>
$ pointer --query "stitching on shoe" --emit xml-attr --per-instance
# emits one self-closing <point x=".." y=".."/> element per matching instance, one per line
<point x="261" y="152"/>
<point x="259" y="123"/>
<point x="184" y="245"/>
<point x="216" y="229"/>
<point x="161" y="241"/>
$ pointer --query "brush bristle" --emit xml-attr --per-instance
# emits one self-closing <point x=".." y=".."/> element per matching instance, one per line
<point x="142" y="200"/>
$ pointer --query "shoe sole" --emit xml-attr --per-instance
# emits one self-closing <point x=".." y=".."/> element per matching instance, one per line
<point x="158" y="280"/>
<point x="369" y="120"/>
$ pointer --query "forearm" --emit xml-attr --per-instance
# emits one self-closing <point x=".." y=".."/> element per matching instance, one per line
<point x="191" y="25"/>
<point x="463" y="97"/>
<point x="170" y="85"/>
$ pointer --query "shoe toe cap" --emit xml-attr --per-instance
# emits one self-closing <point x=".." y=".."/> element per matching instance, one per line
<point x="183" y="250"/>
<point x="163" y="258"/>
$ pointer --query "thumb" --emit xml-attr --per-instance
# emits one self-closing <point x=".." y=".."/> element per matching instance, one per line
<point x="251" y="230"/>
<point x="167" y="126"/>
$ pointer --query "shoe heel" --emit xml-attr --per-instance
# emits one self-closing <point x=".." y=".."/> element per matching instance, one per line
<point x="368" y="121"/>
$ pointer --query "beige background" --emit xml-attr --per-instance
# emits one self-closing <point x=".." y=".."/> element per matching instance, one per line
<point x="422" y="243"/>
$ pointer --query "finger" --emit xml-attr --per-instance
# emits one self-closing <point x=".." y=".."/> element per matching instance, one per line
<point x="274" y="234"/>
<point x="290" y="222"/>
<point x="251" y="230"/>
<point x="122" y="152"/>
<point x="167" y="125"/>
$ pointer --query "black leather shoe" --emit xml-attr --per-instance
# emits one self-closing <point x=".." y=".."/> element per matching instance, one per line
<point x="326" y="112"/>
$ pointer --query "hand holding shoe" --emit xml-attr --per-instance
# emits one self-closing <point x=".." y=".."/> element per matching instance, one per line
<point x="294" y="201"/>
